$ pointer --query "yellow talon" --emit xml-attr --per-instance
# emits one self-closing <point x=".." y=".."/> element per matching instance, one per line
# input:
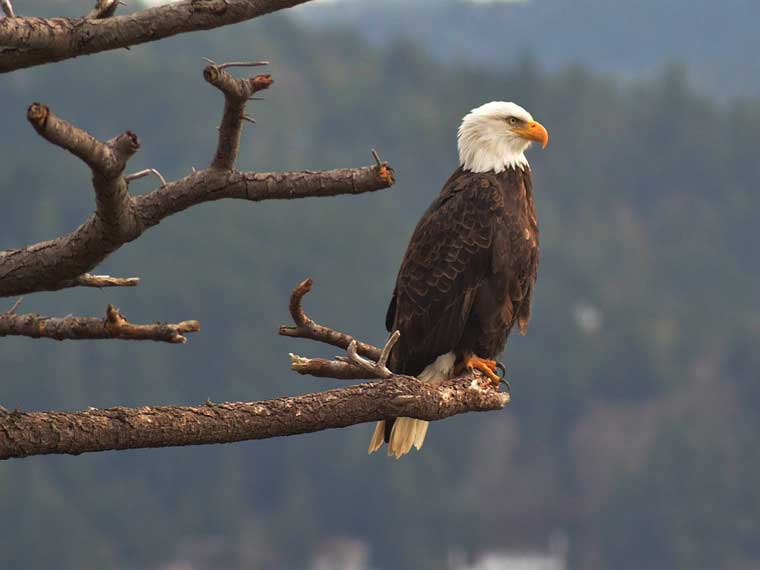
<point x="486" y="366"/>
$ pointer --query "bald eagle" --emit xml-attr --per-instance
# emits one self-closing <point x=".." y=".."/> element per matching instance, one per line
<point x="470" y="267"/>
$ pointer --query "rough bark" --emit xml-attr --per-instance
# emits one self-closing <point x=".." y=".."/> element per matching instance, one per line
<point x="120" y="218"/>
<point x="113" y="326"/>
<point x="35" y="433"/>
<point x="36" y="41"/>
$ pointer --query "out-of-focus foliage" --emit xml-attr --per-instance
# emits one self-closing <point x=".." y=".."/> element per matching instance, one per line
<point x="718" y="40"/>
<point x="634" y="416"/>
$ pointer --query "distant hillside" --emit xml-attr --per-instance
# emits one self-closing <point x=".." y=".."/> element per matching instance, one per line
<point x="634" y="423"/>
<point x="719" y="41"/>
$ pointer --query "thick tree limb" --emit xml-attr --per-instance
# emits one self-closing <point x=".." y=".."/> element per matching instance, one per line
<point x="36" y="41"/>
<point x="120" y="218"/>
<point x="113" y="326"/>
<point x="35" y="433"/>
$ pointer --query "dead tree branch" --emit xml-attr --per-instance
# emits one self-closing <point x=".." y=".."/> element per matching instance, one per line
<point x="113" y="326"/>
<point x="36" y="41"/>
<point x="35" y="433"/>
<point x="120" y="218"/>
<point x="100" y="281"/>
<point x="23" y="434"/>
<point x="307" y="328"/>
<point x="237" y="93"/>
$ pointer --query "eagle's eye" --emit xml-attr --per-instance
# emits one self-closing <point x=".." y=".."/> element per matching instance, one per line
<point x="512" y="120"/>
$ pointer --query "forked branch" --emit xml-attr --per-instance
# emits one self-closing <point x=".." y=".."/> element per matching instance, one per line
<point x="120" y="218"/>
<point x="34" y="433"/>
<point x="237" y="92"/>
<point x="307" y="328"/>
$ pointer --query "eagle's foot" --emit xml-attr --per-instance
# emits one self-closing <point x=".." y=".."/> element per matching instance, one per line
<point x="484" y="365"/>
<point x="503" y="377"/>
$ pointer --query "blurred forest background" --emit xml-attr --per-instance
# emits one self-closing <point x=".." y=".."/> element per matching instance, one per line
<point x="632" y="433"/>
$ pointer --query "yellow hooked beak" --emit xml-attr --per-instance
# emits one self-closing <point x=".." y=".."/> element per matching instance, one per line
<point x="534" y="131"/>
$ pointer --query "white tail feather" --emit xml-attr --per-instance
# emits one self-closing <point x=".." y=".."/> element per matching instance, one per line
<point x="408" y="432"/>
<point x="377" y="437"/>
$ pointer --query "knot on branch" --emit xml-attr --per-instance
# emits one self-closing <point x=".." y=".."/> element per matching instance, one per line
<point x="123" y="147"/>
<point x="384" y="172"/>
<point x="37" y="115"/>
<point x="217" y="7"/>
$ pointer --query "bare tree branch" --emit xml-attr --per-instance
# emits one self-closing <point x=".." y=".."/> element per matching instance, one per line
<point x="38" y="41"/>
<point x="237" y="92"/>
<point x="35" y="433"/>
<point x="50" y="265"/>
<point x="324" y="368"/>
<point x="12" y="310"/>
<point x="350" y="367"/>
<point x="113" y="326"/>
<point x="144" y="173"/>
<point x="307" y="328"/>
<point x="100" y="281"/>
<point x="120" y="218"/>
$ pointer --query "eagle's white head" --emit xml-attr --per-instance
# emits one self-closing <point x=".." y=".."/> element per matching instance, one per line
<point x="495" y="136"/>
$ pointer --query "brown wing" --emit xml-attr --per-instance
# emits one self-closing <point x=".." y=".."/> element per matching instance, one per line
<point x="449" y="256"/>
<point x="529" y="279"/>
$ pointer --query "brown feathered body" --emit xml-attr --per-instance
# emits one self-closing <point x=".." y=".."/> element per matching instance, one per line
<point x="469" y="272"/>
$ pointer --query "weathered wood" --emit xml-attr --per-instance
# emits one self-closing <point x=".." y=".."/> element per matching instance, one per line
<point x="37" y="41"/>
<point x="23" y="434"/>
<point x="120" y="218"/>
<point x="114" y="325"/>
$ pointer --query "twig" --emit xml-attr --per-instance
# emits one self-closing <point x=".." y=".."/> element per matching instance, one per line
<point x="144" y="173"/>
<point x="12" y="310"/>
<point x="377" y="369"/>
<point x="99" y="281"/>
<point x="7" y="8"/>
<point x="325" y="368"/>
<point x="236" y="63"/>
<point x="307" y="328"/>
